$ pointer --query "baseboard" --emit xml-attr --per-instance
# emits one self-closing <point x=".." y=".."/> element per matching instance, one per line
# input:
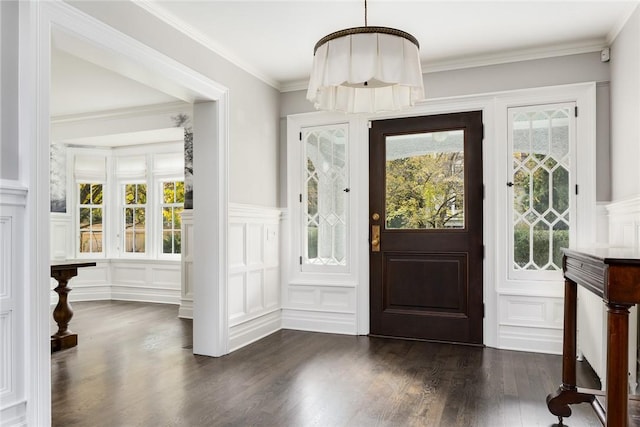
<point x="186" y="309"/>
<point x="319" y="321"/>
<point x="536" y="340"/>
<point x="252" y="330"/>
<point x="14" y="415"/>
<point x="141" y="294"/>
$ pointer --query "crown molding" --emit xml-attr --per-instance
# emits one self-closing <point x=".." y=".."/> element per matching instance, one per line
<point x="188" y="30"/>
<point x="519" y="55"/>
<point x="613" y="33"/>
<point x="484" y="60"/>
<point x="171" y="107"/>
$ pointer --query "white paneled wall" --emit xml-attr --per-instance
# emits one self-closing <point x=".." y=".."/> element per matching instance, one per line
<point x="254" y="272"/>
<point x="12" y="305"/>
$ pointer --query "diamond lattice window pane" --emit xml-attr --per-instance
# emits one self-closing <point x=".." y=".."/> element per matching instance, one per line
<point x="541" y="197"/>
<point x="325" y="178"/>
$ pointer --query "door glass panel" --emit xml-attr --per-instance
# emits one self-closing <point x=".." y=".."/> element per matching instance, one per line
<point x="424" y="180"/>
<point x="540" y="170"/>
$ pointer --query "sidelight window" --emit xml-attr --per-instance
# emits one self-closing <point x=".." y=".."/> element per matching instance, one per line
<point x="542" y="198"/>
<point x="324" y="196"/>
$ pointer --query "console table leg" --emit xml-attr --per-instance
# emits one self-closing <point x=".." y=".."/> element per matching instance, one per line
<point x="617" y="364"/>
<point x="567" y="394"/>
<point x="63" y="313"/>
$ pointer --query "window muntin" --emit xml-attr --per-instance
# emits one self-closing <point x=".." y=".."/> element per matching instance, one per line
<point x="541" y="201"/>
<point x="172" y="206"/>
<point x="134" y="217"/>
<point x="424" y="180"/>
<point x="324" y="197"/>
<point x="90" y="218"/>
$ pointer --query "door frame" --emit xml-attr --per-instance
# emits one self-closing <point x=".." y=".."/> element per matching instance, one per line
<point x="466" y="120"/>
<point x="482" y="103"/>
<point x="37" y="20"/>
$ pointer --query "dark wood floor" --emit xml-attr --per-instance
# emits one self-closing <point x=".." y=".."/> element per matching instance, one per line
<point x="134" y="367"/>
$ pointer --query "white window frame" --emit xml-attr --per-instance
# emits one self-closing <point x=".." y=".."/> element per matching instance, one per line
<point x="324" y="275"/>
<point x="583" y="225"/>
<point x="76" y="218"/>
<point x="158" y="230"/>
<point x="121" y="237"/>
<point x="304" y="197"/>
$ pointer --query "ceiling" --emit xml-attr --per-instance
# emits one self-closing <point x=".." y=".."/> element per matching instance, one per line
<point x="274" y="40"/>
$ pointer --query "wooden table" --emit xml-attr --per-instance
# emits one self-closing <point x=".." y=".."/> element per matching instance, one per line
<point x="63" y="313"/>
<point x="614" y="275"/>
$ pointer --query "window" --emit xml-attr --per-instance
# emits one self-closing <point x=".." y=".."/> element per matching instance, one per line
<point x="324" y="196"/>
<point x="541" y="140"/>
<point x="134" y="211"/>
<point x="172" y="206"/>
<point x="90" y="210"/>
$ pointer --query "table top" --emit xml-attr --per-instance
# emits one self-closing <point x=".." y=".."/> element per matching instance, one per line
<point x="65" y="265"/>
<point x="606" y="254"/>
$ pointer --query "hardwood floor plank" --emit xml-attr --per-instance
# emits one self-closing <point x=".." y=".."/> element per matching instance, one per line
<point x="134" y="367"/>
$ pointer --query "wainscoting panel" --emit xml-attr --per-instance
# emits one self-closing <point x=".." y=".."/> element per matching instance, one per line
<point x="61" y="232"/>
<point x="254" y="273"/>
<point x="186" y="286"/>
<point x="13" y="352"/>
<point x="530" y="323"/>
<point x="146" y="280"/>
<point x="320" y="308"/>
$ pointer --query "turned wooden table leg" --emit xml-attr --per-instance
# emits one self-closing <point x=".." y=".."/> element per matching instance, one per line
<point x="559" y="401"/>
<point x="63" y="313"/>
<point x="617" y="364"/>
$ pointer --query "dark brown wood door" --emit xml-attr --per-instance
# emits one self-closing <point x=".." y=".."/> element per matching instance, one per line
<point x="425" y="213"/>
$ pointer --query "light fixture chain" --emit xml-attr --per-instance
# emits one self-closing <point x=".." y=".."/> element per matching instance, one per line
<point x="365" y="13"/>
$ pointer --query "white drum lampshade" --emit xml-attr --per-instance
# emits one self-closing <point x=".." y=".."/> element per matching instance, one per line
<point x="366" y="70"/>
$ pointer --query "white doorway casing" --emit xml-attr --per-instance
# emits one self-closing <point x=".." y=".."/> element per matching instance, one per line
<point x="37" y="21"/>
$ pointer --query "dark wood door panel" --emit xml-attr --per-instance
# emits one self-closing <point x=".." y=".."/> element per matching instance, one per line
<point x="425" y="283"/>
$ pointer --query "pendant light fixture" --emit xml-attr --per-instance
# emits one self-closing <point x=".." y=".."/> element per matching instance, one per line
<point x="366" y="70"/>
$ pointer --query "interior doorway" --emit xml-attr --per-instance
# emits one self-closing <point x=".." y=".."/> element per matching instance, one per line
<point x="137" y="60"/>
<point x="426" y="227"/>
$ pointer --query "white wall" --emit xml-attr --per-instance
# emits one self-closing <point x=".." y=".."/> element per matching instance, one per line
<point x="9" y="90"/>
<point x="625" y="110"/>
<point x="253" y="124"/>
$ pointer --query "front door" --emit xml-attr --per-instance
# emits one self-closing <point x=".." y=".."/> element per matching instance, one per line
<point x="425" y="214"/>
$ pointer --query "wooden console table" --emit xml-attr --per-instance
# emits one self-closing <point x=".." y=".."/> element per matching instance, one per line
<point x="614" y="275"/>
<point x="62" y="314"/>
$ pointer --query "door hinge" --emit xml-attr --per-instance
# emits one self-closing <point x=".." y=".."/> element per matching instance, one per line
<point x="369" y="124"/>
<point x="300" y="136"/>
<point x="483" y="132"/>
<point x="483" y="312"/>
<point x="300" y="259"/>
<point x="483" y="192"/>
<point x="300" y="197"/>
<point x="575" y="111"/>
<point x="576" y="189"/>
<point x="483" y="252"/>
